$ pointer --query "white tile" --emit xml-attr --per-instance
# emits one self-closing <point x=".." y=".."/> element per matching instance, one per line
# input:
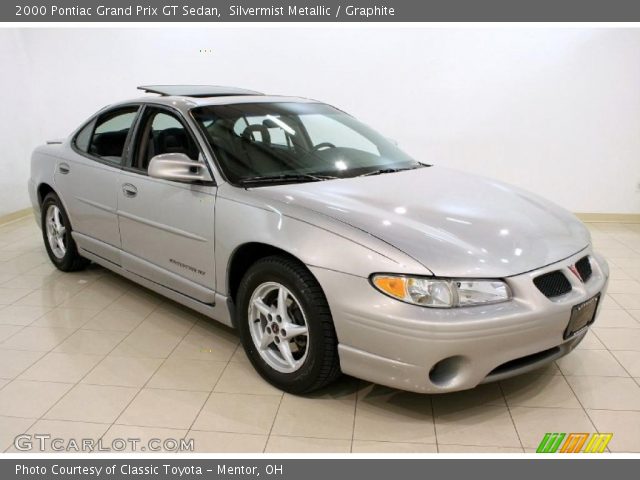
<point x="607" y="393"/>
<point x="616" y="319"/>
<point x="447" y="448"/>
<point x="50" y="295"/>
<point x="242" y="378"/>
<point x="533" y="423"/>
<point x="238" y="413"/>
<point x="185" y="374"/>
<point x="384" y="414"/>
<point x="123" y="371"/>
<point x="14" y="362"/>
<point x="317" y="417"/>
<point x="7" y="331"/>
<point x="114" y="320"/>
<point x="484" y="425"/>
<point x="212" y="343"/>
<point x="71" y="434"/>
<point x="624" y="426"/>
<point x="147" y="439"/>
<point x="27" y="399"/>
<point x="531" y="390"/>
<point x="590" y="342"/>
<point x="630" y="360"/>
<point x="148" y="340"/>
<point x="91" y="342"/>
<point x="629" y="301"/>
<point x="37" y="338"/>
<point x="16" y="315"/>
<point x="10" y="427"/>
<point x="163" y="408"/>
<point x="221" y="442"/>
<point x="61" y="367"/>
<point x="11" y="295"/>
<point x="620" y="338"/>
<point x="92" y="403"/>
<point x="281" y="444"/>
<point x="591" y="362"/>
<point x="65" y="318"/>
<point x="367" y="446"/>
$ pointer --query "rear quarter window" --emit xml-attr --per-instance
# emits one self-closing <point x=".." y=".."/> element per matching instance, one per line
<point x="106" y="136"/>
<point x="84" y="137"/>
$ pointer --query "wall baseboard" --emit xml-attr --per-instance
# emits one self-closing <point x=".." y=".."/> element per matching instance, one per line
<point x="11" y="217"/>
<point x="609" y="217"/>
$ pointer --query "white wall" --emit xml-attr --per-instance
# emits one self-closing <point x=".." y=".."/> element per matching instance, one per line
<point x="556" y="111"/>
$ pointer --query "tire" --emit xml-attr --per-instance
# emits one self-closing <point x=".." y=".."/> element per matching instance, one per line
<point x="316" y="353"/>
<point x="63" y="255"/>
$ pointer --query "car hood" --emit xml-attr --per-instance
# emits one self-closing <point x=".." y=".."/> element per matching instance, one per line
<point x="453" y="223"/>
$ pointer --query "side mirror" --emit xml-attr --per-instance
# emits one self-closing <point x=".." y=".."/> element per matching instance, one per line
<point x="178" y="168"/>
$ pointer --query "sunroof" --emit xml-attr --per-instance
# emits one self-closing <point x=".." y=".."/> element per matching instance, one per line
<point x="198" y="91"/>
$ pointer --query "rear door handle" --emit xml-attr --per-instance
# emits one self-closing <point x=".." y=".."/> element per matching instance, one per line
<point x="64" y="168"/>
<point x="129" y="190"/>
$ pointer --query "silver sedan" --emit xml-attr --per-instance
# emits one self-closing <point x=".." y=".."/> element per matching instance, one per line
<point x="328" y="248"/>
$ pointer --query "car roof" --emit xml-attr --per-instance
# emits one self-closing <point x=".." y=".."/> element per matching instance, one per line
<point x="186" y="97"/>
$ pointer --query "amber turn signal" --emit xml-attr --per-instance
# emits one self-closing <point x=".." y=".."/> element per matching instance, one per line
<point x="394" y="286"/>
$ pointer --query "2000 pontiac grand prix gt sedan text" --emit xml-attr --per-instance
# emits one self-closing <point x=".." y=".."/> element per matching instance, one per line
<point x="324" y="245"/>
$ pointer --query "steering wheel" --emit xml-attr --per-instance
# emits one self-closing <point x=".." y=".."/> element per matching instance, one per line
<point x="323" y="145"/>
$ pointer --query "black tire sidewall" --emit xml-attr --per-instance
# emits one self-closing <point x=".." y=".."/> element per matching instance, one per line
<point x="302" y="379"/>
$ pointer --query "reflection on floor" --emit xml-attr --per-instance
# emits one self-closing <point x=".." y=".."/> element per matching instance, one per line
<point x="91" y="355"/>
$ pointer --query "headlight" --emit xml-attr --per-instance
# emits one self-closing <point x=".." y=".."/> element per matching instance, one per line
<point x="442" y="292"/>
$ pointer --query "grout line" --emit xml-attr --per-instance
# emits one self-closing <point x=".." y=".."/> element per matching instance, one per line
<point x="513" y="422"/>
<point x="79" y="380"/>
<point x="154" y="372"/>
<point x="433" y="419"/>
<point x="579" y="401"/>
<point x="11" y="444"/>
<point x="40" y="358"/>
<point x="359" y="385"/>
<point x="195" y="418"/>
<point x="275" y="417"/>
<point x="51" y="308"/>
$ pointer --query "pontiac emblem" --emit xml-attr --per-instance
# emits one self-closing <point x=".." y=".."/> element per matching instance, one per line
<point x="575" y="271"/>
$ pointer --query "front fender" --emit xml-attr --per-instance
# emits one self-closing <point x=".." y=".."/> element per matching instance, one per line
<point x="238" y="223"/>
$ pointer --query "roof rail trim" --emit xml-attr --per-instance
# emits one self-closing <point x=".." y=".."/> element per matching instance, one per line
<point x="196" y="91"/>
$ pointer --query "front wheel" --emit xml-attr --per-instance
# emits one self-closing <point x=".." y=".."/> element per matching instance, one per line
<point x="286" y="326"/>
<point x="56" y="232"/>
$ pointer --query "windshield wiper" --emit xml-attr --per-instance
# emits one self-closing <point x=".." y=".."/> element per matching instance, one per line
<point x="286" y="177"/>
<point x="391" y="170"/>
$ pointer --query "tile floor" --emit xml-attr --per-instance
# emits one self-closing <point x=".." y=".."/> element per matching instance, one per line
<point x="91" y="355"/>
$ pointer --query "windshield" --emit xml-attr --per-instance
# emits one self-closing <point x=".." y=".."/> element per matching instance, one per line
<point x="259" y="143"/>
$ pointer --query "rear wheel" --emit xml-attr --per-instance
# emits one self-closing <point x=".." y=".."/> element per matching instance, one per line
<point x="56" y="232"/>
<point x="286" y="326"/>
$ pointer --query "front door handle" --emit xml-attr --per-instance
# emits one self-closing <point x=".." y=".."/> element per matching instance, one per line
<point x="64" y="168"/>
<point x="129" y="190"/>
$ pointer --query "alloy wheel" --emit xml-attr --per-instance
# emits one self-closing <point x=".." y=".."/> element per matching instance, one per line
<point x="56" y="231"/>
<point x="278" y="327"/>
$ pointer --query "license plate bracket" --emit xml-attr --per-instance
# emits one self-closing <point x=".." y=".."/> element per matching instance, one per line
<point x="582" y="315"/>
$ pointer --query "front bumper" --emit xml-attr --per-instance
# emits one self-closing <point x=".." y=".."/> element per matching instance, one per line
<point x="420" y="349"/>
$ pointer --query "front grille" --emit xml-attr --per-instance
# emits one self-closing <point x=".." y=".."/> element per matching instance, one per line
<point x="552" y="284"/>
<point x="584" y="268"/>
